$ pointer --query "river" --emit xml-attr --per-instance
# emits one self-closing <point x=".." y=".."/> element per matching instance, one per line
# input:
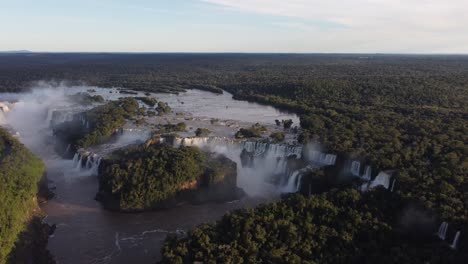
<point x="86" y="233"/>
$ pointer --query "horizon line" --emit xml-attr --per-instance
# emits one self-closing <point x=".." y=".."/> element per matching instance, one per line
<point x="227" y="52"/>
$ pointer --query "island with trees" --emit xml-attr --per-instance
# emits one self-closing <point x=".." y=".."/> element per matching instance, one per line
<point x="155" y="175"/>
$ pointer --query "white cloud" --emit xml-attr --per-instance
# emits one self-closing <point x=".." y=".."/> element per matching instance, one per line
<point x="370" y="25"/>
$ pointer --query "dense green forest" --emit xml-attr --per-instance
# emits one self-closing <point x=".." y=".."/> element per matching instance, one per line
<point x="404" y="113"/>
<point x="152" y="175"/>
<point x="340" y="226"/>
<point x="20" y="174"/>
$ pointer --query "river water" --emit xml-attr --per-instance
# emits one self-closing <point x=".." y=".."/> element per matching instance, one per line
<point x="85" y="232"/>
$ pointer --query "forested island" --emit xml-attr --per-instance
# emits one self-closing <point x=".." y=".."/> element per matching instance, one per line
<point x="157" y="175"/>
<point x="407" y="114"/>
<point x="23" y="238"/>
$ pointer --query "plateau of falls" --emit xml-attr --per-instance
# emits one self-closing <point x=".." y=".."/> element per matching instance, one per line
<point x="264" y="160"/>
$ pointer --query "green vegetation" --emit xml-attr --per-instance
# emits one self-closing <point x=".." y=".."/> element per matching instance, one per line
<point x="86" y="99"/>
<point x="150" y="175"/>
<point x="20" y="174"/>
<point x="208" y="88"/>
<point x="149" y="101"/>
<point x="163" y="108"/>
<point x="407" y="113"/>
<point x="256" y="130"/>
<point x="304" y="137"/>
<point x="202" y="132"/>
<point x="335" y="227"/>
<point x="103" y="120"/>
<point x="277" y="136"/>
<point x="169" y="128"/>
<point x="422" y="140"/>
<point x="141" y="122"/>
<point x="287" y="123"/>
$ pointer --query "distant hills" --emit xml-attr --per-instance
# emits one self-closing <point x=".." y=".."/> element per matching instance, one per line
<point x="16" y="51"/>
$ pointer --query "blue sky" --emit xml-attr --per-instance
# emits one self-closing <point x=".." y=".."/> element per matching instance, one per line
<point x="411" y="26"/>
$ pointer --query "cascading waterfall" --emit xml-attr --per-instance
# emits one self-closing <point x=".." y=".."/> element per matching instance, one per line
<point x="268" y="160"/>
<point x="78" y="165"/>
<point x="442" y="230"/>
<point x="60" y="116"/>
<point x="292" y="184"/>
<point x="319" y="157"/>
<point x="355" y="168"/>
<point x="455" y="240"/>
<point x="50" y="113"/>
<point x="367" y="174"/>
<point x="382" y="179"/>
<point x="299" y="181"/>
<point x="88" y="163"/>
<point x="90" y="166"/>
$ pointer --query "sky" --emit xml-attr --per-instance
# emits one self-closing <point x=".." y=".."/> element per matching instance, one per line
<point x="272" y="26"/>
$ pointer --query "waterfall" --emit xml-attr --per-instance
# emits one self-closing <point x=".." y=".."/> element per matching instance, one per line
<point x="88" y="163"/>
<point x="50" y="112"/>
<point x="79" y="163"/>
<point x="442" y="230"/>
<point x="319" y="157"/>
<point x="355" y="168"/>
<point x="257" y="148"/>
<point x="330" y="159"/>
<point x="393" y="185"/>
<point x="382" y="179"/>
<point x="94" y="165"/>
<point x="455" y="240"/>
<point x="292" y="185"/>
<point x="364" y="187"/>
<point x="367" y="174"/>
<point x="91" y="165"/>
<point x="68" y="149"/>
<point x="60" y="116"/>
<point x="262" y="167"/>
<point x="299" y="181"/>
<point x="75" y="158"/>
